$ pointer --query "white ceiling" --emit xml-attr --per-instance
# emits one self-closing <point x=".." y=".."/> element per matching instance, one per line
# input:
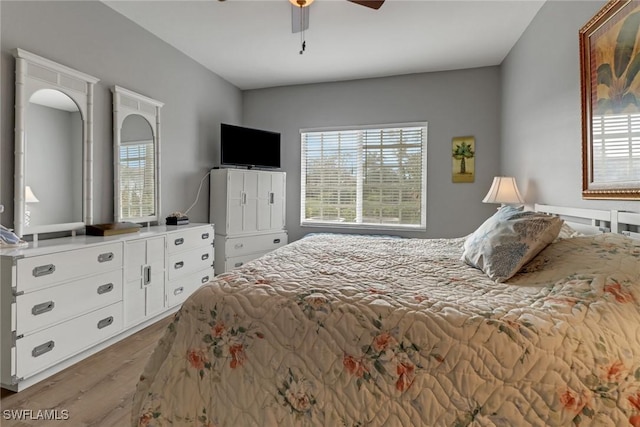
<point x="250" y="43"/>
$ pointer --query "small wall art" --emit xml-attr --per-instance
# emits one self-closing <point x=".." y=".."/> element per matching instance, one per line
<point x="463" y="156"/>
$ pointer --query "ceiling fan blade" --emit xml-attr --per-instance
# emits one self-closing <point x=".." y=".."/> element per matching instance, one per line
<point x="373" y="4"/>
<point x="298" y="24"/>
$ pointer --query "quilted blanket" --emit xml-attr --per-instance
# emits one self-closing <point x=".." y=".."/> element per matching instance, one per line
<point x="339" y="330"/>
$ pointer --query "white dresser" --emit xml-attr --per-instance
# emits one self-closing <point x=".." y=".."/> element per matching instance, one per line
<point x="249" y="208"/>
<point x="65" y="299"/>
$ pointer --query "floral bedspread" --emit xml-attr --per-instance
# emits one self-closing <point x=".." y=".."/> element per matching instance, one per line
<point x="338" y="330"/>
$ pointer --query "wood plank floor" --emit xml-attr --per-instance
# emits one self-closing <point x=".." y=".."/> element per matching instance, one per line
<point x="96" y="391"/>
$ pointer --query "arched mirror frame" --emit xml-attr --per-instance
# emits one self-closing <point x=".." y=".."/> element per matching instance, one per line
<point x="34" y="73"/>
<point x="125" y="104"/>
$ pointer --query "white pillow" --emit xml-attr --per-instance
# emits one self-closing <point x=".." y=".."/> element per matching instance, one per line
<point x="567" y="232"/>
<point x="504" y="243"/>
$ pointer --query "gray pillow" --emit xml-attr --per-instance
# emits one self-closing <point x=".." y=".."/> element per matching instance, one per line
<point x="504" y="243"/>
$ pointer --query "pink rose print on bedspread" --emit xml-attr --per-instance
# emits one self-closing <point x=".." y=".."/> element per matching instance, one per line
<point x="227" y="339"/>
<point x="385" y="360"/>
<point x="197" y="358"/>
<point x="621" y="294"/>
<point x="610" y="382"/>
<point x="634" y="402"/>
<point x="406" y="374"/>
<point x="355" y="366"/>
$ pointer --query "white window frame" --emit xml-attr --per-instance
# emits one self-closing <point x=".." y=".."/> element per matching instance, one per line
<point x="367" y="226"/>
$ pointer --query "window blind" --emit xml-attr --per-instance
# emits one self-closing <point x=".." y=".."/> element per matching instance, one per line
<point x="616" y="148"/>
<point x="364" y="177"/>
<point x="137" y="177"/>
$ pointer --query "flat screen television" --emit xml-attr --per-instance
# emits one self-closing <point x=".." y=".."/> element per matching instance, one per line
<point x="247" y="147"/>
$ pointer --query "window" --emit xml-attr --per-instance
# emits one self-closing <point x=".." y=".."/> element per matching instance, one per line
<point x="373" y="177"/>
<point x="137" y="180"/>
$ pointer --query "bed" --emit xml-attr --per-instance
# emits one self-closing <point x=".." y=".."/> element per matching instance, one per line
<point x="348" y="330"/>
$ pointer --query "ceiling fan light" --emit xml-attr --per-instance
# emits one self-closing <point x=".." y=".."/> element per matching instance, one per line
<point x="301" y="3"/>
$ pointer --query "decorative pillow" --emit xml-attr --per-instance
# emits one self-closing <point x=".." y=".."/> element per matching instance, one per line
<point x="508" y="240"/>
<point x="567" y="232"/>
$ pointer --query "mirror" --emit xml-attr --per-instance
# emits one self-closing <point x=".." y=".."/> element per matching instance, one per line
<point x="136" y="156"/>
<point x="137" y="169"/>
<point x="53" y="146"/>
<point x="53" y="142"/>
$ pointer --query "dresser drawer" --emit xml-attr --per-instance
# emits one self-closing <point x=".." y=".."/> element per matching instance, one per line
<point x="179" y="290"/>
<point x="44" y="270"/>
<point x="238" y="261"/>
<point x="40" y="309"/>
<point x="182" y="264"/>
<point x="37" y="351"/>
<point x="189" y="239"/>
<point x="261" y="243"/>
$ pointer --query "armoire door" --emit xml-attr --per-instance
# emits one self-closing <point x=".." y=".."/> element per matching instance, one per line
<point x="250" y="203"/>
<point x="265" y="195"/>
<point x="235" y="201"/>
<point x="277" y="201"/>
<point x="242" y="202"/>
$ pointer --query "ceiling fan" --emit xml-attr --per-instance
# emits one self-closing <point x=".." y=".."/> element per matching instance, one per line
<point x="300" y="15"/>
<point x="300" y="12"/>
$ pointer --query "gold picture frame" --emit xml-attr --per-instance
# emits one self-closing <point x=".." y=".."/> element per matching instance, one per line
<point x="463" y="149"/>
<point x="610" y="92"/>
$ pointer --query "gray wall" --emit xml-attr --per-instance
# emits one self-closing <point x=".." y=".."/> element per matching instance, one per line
<point x="94" y="39"/>
<point x="541" y="112"/>
<point x="454" y="103"/>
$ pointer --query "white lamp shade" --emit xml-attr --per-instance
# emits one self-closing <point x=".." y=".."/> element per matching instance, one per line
<point x="29" y="197"/>
<point x="503" y="190"/>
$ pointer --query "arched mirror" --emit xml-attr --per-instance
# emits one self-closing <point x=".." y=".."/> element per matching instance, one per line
<point x="136" y="133"/>
<point x="53" y="146"/>
<point x="54" y="143"/>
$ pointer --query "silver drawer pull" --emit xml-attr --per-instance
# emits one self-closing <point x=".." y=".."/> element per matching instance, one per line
<point x="42" y="308"/>
<point x="205" y="256"/>
<point x="178" y="242"/>
<point x="276" y="241"/>
<point x="106" y="257"/>
<point x="42" y="349"/>
<point x="178" y="265"/>
<point x="178" y="291"/>
<point x="238" y="245"/>
<point x="205" y="279"/>
<point x="43" y="270"/>
<point x="105" y="288"/>
<point x="146" y="275"/>
<point x="105" y="322"/>
<point x="205" y="236"/>
<point x="238" y="264"/>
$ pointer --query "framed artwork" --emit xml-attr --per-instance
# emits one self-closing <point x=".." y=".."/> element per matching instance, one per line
<point x="610" y="87"/>
<point x="463" y="155"/>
